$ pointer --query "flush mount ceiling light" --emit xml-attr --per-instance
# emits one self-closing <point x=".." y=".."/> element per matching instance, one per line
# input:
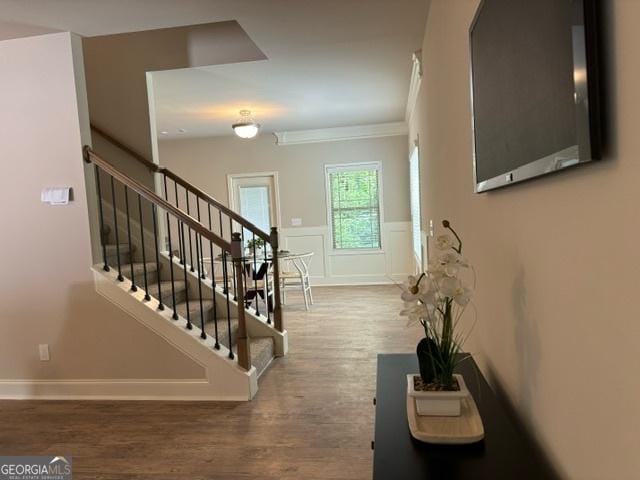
<point x="245" y="127"/>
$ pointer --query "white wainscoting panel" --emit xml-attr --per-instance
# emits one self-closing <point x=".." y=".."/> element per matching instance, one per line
<point x="307" y="239"/>
<point x="391" y="265"/>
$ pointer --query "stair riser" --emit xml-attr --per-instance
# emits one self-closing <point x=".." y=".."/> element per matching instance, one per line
<point x="262" y="354"/>
<point x="152" y="277"/>
<point x="194" y="313"/>
<point x="167" y="297"/>
<point x="113" y="262"/>
<point x="223" y="332"/>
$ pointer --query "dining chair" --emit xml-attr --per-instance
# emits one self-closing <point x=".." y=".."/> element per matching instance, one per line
<point x="298" y="278"/>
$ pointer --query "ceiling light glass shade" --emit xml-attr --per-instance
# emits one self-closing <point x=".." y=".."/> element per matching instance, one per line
<point x="246" y="129"/>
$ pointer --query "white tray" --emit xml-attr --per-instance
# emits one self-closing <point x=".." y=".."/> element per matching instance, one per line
<point x="467" y="428"/>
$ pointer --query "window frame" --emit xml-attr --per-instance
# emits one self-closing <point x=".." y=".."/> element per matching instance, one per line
<point x="419" y="256"/>
<point x="345" y="167"/>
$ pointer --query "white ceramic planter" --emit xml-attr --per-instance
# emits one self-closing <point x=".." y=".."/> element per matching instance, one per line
<point x="440" y="404"/>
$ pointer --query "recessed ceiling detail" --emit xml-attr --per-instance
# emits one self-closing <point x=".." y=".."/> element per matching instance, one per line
<point x="330" y="64"/>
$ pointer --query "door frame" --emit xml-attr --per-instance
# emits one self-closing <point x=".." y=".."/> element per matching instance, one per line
<point x="276" y="193"/>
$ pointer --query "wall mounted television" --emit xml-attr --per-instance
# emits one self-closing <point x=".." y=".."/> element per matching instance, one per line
<point x="534" y="89"/>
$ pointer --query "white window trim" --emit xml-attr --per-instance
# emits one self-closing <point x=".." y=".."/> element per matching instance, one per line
<point x="345" y="167"/>
<point x="419" y="262"/>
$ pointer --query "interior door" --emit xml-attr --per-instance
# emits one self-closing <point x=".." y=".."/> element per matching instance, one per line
<point x="255" y="198"/>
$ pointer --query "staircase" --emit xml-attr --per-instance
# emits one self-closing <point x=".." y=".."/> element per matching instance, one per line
<point x="177" y="262"/>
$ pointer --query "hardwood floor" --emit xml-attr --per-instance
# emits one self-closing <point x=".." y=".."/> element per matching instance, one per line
<point x="312" y="417"/>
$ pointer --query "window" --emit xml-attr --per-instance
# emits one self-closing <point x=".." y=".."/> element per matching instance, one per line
<point x="414" y="188"/>
<point x="353" y="195"/>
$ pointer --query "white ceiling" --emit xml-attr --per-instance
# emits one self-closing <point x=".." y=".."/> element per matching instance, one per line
<point x="329" y="63"/>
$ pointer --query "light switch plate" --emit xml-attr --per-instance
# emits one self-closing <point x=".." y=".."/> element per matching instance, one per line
<point x="296" y="222"/>
<point x="44" y="352"/>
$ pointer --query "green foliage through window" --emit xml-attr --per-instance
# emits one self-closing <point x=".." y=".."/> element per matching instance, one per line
<point x="355" y="208"/>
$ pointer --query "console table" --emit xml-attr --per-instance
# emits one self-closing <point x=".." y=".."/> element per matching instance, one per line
<point x="505" y="453"/>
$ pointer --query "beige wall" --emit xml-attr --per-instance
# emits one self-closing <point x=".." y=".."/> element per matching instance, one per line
<point x="47" y="292"/>
<point x="116" y="72"/>
<point x="556" y="258"/>
<point x="207" y="161"/>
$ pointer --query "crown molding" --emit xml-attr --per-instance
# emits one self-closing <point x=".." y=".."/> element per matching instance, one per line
<point x="341" y="133"/>
<point x="414" y="84"/>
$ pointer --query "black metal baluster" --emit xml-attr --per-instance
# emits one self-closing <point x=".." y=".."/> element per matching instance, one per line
<point x="186" y="279"/>
<point x="213" y="284"/>
<point x="255" y="275"/>
<point x="115" y="227"/>
<point x="100" y="212"/>
<point x="233" y="266"/>
<point x="173" y="286"/>
<point x="144" y="255"/>
<point x="155" y="238"/>
<point x="126" y="202"/>
<point x="266" y="283"/>
<point x="199" y="239"/>
<point x="226" y="288"/>
<point x="175" y="184"/>
<point x="189" y="229"/>
<point x="203" y="335"/>
<point x="213" y="277"/>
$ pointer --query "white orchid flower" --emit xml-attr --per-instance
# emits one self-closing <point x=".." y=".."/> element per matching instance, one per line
<point x="451" y="262"/>
<point x="411" y="288"/>
<point x="427" y="293"/>
<point x="454" y="289"/>
<point x="416" y="312"/>
<point x="463" y="296"/>
<point x="444" y="241"/>
<point x="436" y="270"/>
<point x="449" y="286"/>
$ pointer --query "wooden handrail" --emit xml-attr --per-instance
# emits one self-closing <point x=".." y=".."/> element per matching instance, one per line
<point x="125" y="148"/>
<point x="91" y="156"/>
<point x="154" y="167"/>
<point x="215" y="203"/>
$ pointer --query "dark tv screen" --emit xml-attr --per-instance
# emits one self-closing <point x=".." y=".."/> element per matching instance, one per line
<point x="534" y="105"/>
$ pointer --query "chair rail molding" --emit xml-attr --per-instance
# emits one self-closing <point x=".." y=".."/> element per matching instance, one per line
<point x="414" y="84"/>
<point x="336" y="134"/>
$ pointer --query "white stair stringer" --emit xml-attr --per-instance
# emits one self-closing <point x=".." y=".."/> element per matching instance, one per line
<point x="224" y="378"/>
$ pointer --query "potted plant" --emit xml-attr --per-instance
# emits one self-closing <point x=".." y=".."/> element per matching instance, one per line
<point x="257" y="244"/>
<point x="437" y="300"/>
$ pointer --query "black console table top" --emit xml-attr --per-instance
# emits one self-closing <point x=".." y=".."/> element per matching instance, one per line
<point x="506" y="452"/>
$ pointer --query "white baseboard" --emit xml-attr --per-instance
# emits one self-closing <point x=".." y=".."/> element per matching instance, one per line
<point x="118" y="389"/>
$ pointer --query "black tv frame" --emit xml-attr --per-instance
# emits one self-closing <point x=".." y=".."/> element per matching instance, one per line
<point x="587" y="111"/>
